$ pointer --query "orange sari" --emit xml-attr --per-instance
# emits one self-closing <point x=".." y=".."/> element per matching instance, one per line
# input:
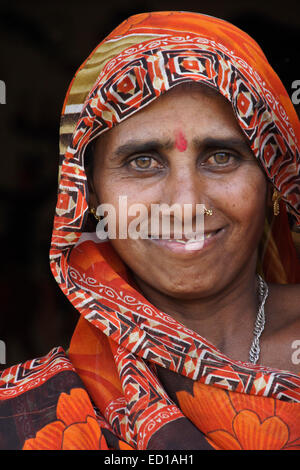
<point x="135" y="378"/>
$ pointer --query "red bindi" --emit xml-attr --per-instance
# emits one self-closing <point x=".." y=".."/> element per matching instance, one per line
<point x="180" y="142"/>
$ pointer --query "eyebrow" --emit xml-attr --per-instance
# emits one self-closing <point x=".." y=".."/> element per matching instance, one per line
<point x="139" y="146"/>
<point x="237" y="143"/>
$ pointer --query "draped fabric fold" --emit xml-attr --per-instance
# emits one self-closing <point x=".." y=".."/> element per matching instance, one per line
<point x="134" y="377"/>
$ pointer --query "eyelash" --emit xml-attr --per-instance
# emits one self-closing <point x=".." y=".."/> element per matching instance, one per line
<point x="202" y="164"/>
<point x="140" y="157"/>
<point x="228" y="154"/>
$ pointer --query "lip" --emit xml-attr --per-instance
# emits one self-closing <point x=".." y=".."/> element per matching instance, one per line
<point x="189" y="248"/>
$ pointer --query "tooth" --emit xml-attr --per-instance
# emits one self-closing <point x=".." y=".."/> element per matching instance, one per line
<point x="194" y="246"/>
<point x="191" y="240"/>
<point x="195" y="240"/>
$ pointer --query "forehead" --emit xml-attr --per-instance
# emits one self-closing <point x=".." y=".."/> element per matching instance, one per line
<point x="192" y="110"/>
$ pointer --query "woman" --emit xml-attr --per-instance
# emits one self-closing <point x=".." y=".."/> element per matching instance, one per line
<point x="181" y="344"/>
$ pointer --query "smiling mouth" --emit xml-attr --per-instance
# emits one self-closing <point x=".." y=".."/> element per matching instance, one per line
<point x="187" y="244"/>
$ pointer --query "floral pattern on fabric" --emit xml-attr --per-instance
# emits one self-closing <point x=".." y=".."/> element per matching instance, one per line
<point x="233" y="421"/>
<point x="76" y="427"/>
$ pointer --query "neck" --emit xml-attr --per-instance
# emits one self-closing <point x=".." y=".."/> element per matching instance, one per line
<point x="225" y="318"/>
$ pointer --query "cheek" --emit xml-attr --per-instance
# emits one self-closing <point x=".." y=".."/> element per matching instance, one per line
<point x="112" y="183"/>
<point x="245" y="199"/>
<point x="131" y="208"/>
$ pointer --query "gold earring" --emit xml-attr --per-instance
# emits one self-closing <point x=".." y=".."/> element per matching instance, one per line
<point x="92" y="211"/>
<point x="275" y="199"/>
<point x="208" y="211"/>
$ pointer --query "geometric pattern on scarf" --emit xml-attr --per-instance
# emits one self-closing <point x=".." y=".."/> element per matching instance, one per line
<point x="20" y="378"/>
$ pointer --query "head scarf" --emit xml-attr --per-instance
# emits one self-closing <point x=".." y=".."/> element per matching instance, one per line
<point x="122" y="342"/>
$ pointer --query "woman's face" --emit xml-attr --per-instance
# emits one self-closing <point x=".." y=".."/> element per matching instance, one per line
<point x="185" y="148"/>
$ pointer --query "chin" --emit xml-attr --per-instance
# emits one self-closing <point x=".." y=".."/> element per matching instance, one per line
<point x="186" y="291"/>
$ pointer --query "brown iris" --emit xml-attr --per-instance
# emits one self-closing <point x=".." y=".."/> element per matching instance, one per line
<point x="221" y="158"/>
<point x="143" y="163"/>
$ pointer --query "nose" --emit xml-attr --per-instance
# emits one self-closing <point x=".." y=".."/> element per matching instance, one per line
<point x="184" y="190"/>
<point x="183" y="185"/>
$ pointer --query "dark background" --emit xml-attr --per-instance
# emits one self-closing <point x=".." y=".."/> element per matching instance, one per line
<point x="41" y="45"/>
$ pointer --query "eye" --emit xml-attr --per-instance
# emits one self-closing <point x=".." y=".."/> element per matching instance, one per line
<point x="144" y="162"/>
<point x="221" y="159"/>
